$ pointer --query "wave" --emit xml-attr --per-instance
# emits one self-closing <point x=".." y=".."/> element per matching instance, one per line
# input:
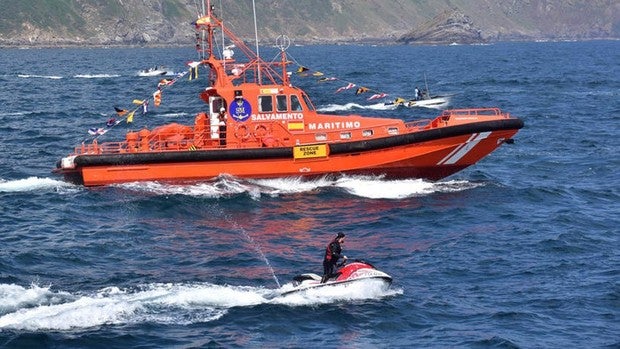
<point x="96" y="76"/>
<point x="38" y="308"/>
<point x="353" y="106"/>
<point x="372" y="187"/>
<point x="13" y="114"/>
<point x="55" y="77"/>
<point x="173" y="115"/>
<point x="32" y="184"/>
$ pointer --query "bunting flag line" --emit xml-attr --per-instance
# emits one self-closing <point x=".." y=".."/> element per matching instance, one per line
<point x="350" y="85"/>
<point x="142" y="103"/>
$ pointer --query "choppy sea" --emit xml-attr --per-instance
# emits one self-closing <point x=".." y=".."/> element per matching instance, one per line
<point x="521" y="250"/>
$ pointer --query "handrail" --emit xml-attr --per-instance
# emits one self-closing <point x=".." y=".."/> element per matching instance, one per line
<point x="181" y="141"/>
<point x="472" y="111"/>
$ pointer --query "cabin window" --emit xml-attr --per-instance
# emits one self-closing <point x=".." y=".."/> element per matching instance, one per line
<point x="320" y="136"/>
<point x="308" y="102"/>
<point x="367" y="133"/>
<point x="281" y="104"/>
<point x="216" y="104"/>
<point x="393" y="130"/>
<point x="345" y="135"/>
<point x="265" y="104"/>
<point x="295" y="105"/>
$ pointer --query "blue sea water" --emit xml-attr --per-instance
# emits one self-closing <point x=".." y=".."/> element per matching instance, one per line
<point x="519" y="251"/>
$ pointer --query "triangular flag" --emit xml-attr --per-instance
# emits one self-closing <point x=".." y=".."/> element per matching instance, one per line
<point x="157" y="98"/>
<point x="399" y="101"/>
<point x="96" y="131"/>
<point x="120" y="111"/>
<point x="349" y="86"/>
<point x="165" y="82"/>
<point x="361" y="90"/>
<point x="193" y="73"/>
<point x="130" y="117"/>
<point x="377" y="96"/>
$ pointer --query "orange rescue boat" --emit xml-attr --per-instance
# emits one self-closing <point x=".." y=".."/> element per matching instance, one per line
<point x="257" y="125"/>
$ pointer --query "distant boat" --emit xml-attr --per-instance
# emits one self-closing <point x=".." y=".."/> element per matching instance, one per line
<point x="424" y="98"/>
<point x="430" y="101"/>
<point x="426" y="101"/>
<point x="154" y="71"/>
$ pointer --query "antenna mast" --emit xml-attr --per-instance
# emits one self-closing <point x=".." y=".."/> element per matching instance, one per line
<point x="256" y="38"/>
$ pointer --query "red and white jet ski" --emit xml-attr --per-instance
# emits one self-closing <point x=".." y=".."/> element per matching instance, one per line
<point x="355" y="271"/>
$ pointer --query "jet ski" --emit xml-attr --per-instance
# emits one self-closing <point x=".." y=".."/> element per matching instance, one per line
<point x="356" y="271"/>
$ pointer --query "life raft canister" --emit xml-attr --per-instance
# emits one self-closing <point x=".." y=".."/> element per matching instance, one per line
<point x="132" y="139"/>
<point x="242" y="132"/>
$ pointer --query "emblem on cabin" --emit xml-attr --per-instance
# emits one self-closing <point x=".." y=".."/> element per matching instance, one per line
<point x="240" y="109"/>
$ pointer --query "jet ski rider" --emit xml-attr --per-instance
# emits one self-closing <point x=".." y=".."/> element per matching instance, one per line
<point x="333" y="252"/>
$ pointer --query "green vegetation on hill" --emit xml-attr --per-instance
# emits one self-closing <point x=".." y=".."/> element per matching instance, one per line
<point x="47" y="14"/>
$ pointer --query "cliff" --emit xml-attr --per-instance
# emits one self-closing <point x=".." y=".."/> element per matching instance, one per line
<point x="167" y="22"/>
<point x="448" y="27"/>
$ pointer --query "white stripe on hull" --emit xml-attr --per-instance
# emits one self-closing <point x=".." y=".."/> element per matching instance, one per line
<point x="462" y="150"/>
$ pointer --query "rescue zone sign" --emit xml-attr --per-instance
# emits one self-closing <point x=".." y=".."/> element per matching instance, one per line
<point x="310" y="151"/>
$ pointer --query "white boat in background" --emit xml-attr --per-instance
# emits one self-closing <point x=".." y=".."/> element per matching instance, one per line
<point x="426" y="101"/>
<point x="429" y="101"/>
<point x="155" y="71"/>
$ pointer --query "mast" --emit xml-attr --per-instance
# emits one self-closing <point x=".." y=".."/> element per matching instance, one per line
<point x="259" y="80"/>
<point x="283" y="42"/>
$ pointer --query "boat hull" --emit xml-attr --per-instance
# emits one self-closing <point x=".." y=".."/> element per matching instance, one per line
<point x="385" y="281"/>
<point x="358" y="271"/>
<point x="432" y="154"/>
<point x="436" y="101"/>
